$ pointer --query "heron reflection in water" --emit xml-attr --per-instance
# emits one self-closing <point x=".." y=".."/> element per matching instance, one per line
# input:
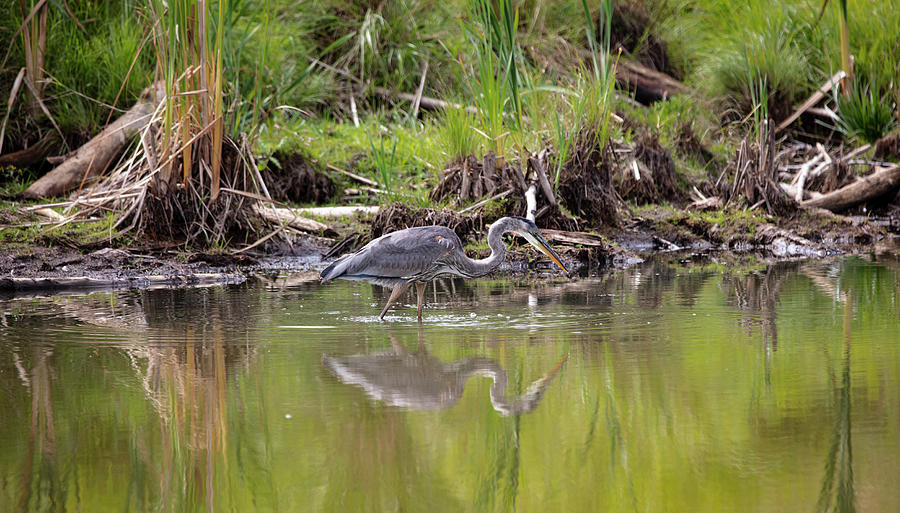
<point x="420" y="381"/>
<point x="418" y="255"/>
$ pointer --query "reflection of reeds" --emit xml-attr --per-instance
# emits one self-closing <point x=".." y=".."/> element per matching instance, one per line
<point x="758" y="294"/>
<point x="839" y="463"/>
<point x="41" y="482"/>
<point x="186" y="386"/>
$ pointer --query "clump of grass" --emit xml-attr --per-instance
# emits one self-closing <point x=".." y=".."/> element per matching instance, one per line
<point x="866" y="111"/>
<point x="457" y="137"/>
<point x="384" y="163"/>
<point x="88" y="74"/>
<point x="769" y="52"/>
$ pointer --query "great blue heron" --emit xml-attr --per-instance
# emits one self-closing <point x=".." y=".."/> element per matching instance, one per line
<point x="418" y="255"/>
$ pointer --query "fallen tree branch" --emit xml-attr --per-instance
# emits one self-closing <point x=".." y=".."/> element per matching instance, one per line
<point x="290" y="218"/>
<point x="425" y="102"/>
<point x="97" y="154"/>
<point x="354" y="176"/>
<point x="880" y="183"/>
<point x="485" y="201"/>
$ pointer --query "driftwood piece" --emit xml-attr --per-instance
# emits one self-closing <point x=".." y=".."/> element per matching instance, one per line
<point x="567" y="237"/>
<point x="290" y="218"/>
<point x="346" y="210"/>
<point x="794" y="192"/>
<point x="880" y="183"/>
<point x="97" y="154"/>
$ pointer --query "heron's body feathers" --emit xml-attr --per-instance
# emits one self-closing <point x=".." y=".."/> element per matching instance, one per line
<point x="406" y="255"/>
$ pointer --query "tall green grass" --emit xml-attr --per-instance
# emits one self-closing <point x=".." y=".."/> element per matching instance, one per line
<point x="866" y="110"/>
<point x="90" y="53"/>
<point x="457" y="137"/>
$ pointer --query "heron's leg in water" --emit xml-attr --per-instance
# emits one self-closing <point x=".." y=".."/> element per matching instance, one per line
<point x="420" y="299"/>
<point x="399" y="288"/>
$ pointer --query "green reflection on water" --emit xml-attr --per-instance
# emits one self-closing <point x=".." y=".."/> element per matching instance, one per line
<point x="661" y="388"/>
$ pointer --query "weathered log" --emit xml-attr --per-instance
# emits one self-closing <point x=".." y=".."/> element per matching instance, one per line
<point x="34" y="154"/>
<point x="97" y="154"/>
<point x="566" y="237"/>
<point x="880" y="183"/>
<point x="648" y="85"/>
<point x="292" y="220"/>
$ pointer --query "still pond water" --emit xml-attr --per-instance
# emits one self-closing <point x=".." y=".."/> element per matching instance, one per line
<point x="666" y="387"/>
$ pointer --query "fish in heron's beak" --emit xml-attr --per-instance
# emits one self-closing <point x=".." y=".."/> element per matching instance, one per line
<point x="537" y="240"/>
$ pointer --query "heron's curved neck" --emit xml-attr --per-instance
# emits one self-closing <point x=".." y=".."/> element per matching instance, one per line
<point x="505" y="406"/>
<point x="498" y="251"/>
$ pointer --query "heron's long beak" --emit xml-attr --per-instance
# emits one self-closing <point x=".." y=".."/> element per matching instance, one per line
<point x="537" y="240"/>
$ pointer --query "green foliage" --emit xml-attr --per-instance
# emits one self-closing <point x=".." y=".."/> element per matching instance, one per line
<point x="768" y="52"/>
<point x="866" y="112"/>
<point x="86" y="66"/>
<point x="457" y="136"/>
<point x="496" y="84"/>
<point x="403" y="155"/>
<point x="759" y="101"/>
<point x="384" y="164"/>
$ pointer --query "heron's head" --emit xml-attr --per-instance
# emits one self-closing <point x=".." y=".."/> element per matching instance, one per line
<point x="526" y="228"/>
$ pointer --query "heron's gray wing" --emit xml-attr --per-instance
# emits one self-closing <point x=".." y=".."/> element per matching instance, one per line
<point x="399" y="254"/>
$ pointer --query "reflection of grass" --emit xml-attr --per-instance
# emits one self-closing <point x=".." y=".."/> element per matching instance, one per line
<point x="839" y="463"/>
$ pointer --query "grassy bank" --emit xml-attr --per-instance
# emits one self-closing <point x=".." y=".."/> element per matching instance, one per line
<point x="323" y="80"/>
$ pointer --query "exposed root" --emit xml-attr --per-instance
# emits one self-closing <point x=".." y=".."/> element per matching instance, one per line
<point x="651" y="176"/>
<point x="471" y="180"/>
<point x="754" y="177"/>
<point x="185" y="213"/>
<point x="585" y="184"/>
<point x="399" y="216"/>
